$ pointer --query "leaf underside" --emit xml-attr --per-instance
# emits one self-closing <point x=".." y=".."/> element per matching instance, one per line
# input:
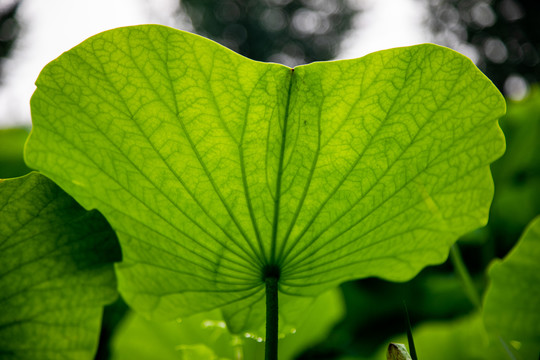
<point x="56" y="272"/>
<point x="211" y="167"/>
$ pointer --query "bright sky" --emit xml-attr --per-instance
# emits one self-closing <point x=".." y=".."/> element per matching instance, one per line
<point x="386" y="24"/>
<point x="46" y="34"/>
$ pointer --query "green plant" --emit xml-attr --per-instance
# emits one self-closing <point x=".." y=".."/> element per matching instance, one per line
<point x="230" y="181"/>
<point x="506" y="325"/>
<point x="56" y="272"/>
<point x="511" y="308"/>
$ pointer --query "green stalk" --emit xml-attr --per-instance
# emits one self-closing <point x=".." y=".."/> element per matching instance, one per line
<point x="271" y="347"/>
<point x="410" y="340"/>
<point x="465" y="277"/>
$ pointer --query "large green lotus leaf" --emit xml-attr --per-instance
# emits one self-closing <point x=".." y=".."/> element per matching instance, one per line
<point x="56" y="272"/>
<point x="211" y="166"/>
<point x="512" y="301"/>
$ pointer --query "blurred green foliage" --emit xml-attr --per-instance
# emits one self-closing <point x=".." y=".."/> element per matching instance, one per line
<point x="507" y="326"/>
<point x="512" y="300"/>
<point x="517" y="173"/>
<point x="11" y="153"/>
<point x="461" y="338"/>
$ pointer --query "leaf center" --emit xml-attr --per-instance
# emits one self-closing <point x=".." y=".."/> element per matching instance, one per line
<point x="271" y="271"/>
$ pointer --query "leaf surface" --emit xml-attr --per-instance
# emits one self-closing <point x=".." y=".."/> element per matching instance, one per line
<point x="56" y="272"/>
<point x="211" y="166"/>
<point x="512" y="301"/>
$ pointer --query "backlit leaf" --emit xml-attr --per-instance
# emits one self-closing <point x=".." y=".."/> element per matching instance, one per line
<point x="212" y="167"/>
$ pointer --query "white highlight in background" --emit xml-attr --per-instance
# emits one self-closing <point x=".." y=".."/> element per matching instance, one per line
<point x="53" y="26"/>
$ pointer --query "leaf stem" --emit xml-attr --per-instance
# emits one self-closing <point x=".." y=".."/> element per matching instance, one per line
<point x="271" y="280"/>
<point x="410" y="340"/>
<point x="461" y="270"/>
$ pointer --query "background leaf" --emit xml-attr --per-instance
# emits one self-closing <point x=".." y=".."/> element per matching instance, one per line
<point x="56" y="272"/>
<point x="211" y="166"/>
<point x="512" y="300"/>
